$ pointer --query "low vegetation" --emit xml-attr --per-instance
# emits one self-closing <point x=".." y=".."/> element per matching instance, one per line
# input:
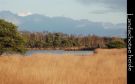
<point x="106" y="66"/>
<point x="116" y="44"/>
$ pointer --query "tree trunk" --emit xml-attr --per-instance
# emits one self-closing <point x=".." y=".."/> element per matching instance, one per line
<point x="0" y="53"/>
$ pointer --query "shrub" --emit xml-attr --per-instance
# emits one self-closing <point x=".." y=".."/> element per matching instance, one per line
<point x="116" y="44"/>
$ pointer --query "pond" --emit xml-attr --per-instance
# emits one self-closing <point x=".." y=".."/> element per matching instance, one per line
<point x="30" y="52"/>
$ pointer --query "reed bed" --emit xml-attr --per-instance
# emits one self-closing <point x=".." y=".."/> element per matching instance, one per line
<point x="105" y="66"/>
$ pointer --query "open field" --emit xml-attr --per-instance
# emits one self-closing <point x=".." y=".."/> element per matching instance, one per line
<point x="103" y="67"/>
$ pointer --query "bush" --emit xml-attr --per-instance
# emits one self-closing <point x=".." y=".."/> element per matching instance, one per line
<point x="116" y="44"/>
<point x="10" y="39"/>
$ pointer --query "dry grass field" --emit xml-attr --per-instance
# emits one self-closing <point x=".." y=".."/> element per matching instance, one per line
<point x="103" y="67"/>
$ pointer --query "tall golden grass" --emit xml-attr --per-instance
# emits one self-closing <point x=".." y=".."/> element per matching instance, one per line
<point x="103" y="67"/>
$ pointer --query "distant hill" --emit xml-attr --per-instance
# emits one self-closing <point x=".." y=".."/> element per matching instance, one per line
<point x="37" y="22"/>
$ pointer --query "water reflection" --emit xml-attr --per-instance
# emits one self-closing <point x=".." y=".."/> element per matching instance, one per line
<point x="30" y="52"/>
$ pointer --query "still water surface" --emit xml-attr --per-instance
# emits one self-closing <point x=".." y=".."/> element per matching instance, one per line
<point x="30" y="52"/>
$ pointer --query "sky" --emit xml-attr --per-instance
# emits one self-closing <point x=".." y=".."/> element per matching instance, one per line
<point x="105" y="11"/>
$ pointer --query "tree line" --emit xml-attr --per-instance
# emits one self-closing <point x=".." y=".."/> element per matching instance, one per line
<point x="62" y="41"/>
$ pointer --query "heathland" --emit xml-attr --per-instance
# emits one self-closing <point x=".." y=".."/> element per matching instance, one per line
<point x="105" y="66"/>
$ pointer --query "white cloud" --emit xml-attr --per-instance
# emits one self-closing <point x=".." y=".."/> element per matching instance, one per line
<point x="24" y="13"/>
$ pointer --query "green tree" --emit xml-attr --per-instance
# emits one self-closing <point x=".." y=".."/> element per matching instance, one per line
<point x="116" y="44"/>
<point x="57" y="40"/>
<point x="10" y="39"/>
<point x="49" y="40"/>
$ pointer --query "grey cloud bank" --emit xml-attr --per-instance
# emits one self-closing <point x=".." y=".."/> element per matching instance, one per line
<point x="119" y="5"/>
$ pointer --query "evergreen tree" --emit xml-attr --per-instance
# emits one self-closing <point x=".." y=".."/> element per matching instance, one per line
<point x="10" y="39"/>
